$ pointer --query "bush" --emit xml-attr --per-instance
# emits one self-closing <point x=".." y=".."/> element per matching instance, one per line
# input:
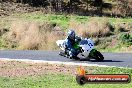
<point x="2" y="43"/>
<point x="32" y="36"/>
<point x="122" y="27"/>
<point x="122" y="7"/>
<point x="94" y="28"/>
<point x="126" y="38"/>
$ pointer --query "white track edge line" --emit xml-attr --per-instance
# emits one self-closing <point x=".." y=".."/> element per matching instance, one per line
<point x="56" y="62"/>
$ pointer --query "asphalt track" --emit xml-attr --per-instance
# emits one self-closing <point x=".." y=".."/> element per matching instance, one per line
<point x="110" y="59"/>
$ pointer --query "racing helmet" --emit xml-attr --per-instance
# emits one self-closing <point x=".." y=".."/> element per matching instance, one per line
<point x="71" y="34"/>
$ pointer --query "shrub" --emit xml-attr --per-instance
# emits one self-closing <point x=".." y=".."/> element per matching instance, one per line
<point x="126" y="38"/>
<point x="122" y="7"/>
<point x="3" y="31"/>
<point x="122" y="27"/>
<point x="32" y="35"/>
<point x="2" y="43"/>
<point x="95" y="28"/>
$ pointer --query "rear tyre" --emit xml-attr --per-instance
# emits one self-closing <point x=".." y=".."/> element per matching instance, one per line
<point x="64" y="54"/>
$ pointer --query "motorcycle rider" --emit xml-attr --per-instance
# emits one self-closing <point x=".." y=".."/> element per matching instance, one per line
<point x="70" y="42"/>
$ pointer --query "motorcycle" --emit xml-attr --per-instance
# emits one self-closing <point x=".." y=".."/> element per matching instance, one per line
<point x="86" y="48"/>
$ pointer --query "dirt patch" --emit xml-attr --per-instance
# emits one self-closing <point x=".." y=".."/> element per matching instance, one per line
<point x="22" y="69"/>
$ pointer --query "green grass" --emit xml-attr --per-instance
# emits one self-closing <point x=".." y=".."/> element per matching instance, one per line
<point x="63" y="20"/>
<point x="6" y="45"/>
<point x="52" y="81"/>
<point x="117" y="48"/>
<point x="111" y="70"/>
<point x="61" y="80"/>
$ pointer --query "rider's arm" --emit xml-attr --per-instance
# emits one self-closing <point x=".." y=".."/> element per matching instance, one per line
<point x="69" y="45"/>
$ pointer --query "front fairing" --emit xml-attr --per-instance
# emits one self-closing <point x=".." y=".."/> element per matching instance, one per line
<point x="87" y="45"/>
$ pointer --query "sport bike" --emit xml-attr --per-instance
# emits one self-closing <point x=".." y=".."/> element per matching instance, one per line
<point x="85" y="48"/>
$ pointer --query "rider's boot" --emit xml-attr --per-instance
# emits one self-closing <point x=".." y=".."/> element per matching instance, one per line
<point x="62" y="53"/>
<point x="74" y="57"/>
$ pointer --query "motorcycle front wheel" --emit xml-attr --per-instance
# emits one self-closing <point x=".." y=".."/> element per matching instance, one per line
<point x="96" y="55"/>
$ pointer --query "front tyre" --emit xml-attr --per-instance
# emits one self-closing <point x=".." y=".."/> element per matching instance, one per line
<point x="96" y="55"/>
<point x="99" y="56"/>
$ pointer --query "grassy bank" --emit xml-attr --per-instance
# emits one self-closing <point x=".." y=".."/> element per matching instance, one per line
<point x="17" y="30"/>
<point x="52" y="81"/>
<point x="42" y="75"/>
<point x="64" y="20"/>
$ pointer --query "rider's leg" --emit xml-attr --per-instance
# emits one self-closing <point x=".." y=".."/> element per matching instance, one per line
<point x="73" y="54"/>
